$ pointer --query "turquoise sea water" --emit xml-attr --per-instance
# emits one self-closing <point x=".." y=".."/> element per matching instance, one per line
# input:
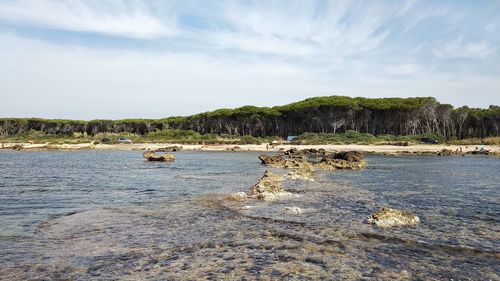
<point x="112" y="215"/>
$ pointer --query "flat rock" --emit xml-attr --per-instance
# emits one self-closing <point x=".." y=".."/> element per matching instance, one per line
<point x="152" y="156"/>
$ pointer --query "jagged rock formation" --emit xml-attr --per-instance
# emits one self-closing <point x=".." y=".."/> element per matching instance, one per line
<point x="328" y="162"/>
<point x="334" y="114"/>
<point x="387" y="217"/>
<point x="152" y="156"/>
<point x="268" y="188"/>
<point x="353" y="160"/>
<point x="300" y="153"/>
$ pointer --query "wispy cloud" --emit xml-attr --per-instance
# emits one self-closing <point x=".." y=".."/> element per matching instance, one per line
<point x="191" y="56"/>
<point x="469" y="50"/>
<point x="133" y="18"/>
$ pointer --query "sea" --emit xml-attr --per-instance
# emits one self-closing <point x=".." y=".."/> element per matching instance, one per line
<point x="111" y="215"/>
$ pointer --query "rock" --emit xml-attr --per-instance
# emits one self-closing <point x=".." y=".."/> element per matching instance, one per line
<point x="294" y="210"/>
<point x="387" y="217"/>
<point x="238" y="196"/>
<point x="328" y="162"/>
<point x="268" y="188"/>
<point x="169" y="149"/>
<point x="305" y="171"/>
<point x="273" y="161"/>
<point x="299" y="153"/>
<point x="338" y="164"/>
<point x="17" y="147"/>
<point x="152" y="156"/>
<point x="481" y="151"/>
<point x="235" y="148"/>
<point x="350" y="156"/>
<point x="445" y="152"/>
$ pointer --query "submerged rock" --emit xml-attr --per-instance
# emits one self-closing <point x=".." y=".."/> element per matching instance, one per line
<point x="294" y="210"/>
<point x="445" y="152"/>
<point x="387" y="217"/>
<point x="268" y="188"/>
<point x="152" y="156"/>
<point x="238" y="196"/>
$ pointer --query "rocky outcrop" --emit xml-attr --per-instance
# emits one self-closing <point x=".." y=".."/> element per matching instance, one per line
<point x="351" y="156"/>
<point x="274" y="161"/>
<point x="268" y="188"/>
<point x="387" y="217"/>
<point x="328" y="162"/>
<point x="445" y="152"/>
<point x="300" y="153"/>
<point x="170" y="149"/>
<point x="152" y="156"/>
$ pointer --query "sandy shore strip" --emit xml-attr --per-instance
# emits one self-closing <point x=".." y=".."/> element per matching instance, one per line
<point x="375" y="149"/>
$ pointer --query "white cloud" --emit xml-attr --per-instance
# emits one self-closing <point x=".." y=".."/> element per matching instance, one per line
<point x="133" y="19"/>
<point x="47" y="80"/>
<point x="467" y="50"/>
<point x="204" y="55"/>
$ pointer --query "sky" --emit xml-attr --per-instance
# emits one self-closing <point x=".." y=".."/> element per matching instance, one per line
<point x="100" y="59"/>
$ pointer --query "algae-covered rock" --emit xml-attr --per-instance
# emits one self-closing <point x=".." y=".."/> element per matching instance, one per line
<point x="387" y="217"/>
<point x="152" y="156"/>
<point x="268" y="188"/>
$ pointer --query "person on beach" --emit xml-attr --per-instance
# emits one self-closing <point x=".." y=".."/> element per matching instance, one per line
<point x="267" y="147"/>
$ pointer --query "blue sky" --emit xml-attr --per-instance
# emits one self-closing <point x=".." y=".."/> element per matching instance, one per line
<point x="151" y="59"/>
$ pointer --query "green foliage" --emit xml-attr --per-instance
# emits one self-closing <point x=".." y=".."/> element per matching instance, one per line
<point x="353" y="137"/>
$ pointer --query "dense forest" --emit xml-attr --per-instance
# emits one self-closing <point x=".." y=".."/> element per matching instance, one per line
<point x="333" y="114"/>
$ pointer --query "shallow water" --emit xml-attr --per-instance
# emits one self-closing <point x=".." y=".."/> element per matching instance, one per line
<point x="111" y="215"/>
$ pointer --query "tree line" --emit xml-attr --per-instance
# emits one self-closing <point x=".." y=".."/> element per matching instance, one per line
<point x="333" y="114"/>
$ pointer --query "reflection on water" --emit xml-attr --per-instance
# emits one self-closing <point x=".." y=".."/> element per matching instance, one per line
<point x="102" y="215"/>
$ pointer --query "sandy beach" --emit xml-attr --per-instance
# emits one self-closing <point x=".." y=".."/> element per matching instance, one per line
<point x="373" y="149"/>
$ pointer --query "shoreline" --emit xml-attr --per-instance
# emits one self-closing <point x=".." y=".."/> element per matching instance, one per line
<point x="418" y="149"/>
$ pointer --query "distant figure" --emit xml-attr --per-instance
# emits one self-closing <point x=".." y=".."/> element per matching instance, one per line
<point x="267" y="146"/>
